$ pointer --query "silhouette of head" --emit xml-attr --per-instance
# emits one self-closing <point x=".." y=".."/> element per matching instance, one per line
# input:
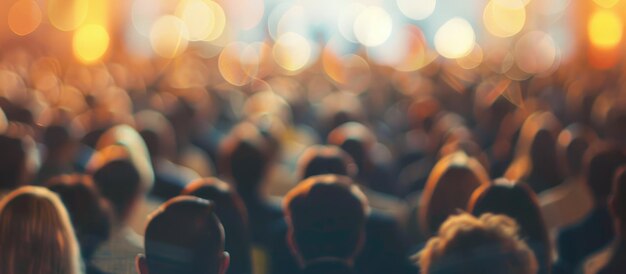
<point x="119" y="183"/>
<point x="320" y="160"/>
<point x="184" y="236"/>
<point x="326" y="216"/>
<point x="601" y="162"/>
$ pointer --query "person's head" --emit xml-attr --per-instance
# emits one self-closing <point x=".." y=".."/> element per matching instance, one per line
<point x="157" y="133"/>
<point x="356" y="140"/>
<point x="477" y="245"/>
<point x="572" y="143"/>
<point x="119" y="183"/>
<point x="320" y="160"/>
<point x="184" y="236"/>
<point x="36" y="235"/>
<point x="326" y="217"/>
<point x="448" y="189"/>
<point x="61" y="144"/>
<point x="617" y="201"/>
<point x="517" y="201"/>
<point x="90" y="214"/>
<point x="601" y="162"/>
<point x="16" y="166"/>
<point x="230" y="209"/>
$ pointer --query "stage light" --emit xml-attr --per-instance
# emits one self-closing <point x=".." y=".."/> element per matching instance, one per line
<point x="455" y="38"/>
<point x="169" y="36"/>
<point x="292" y="51"/>
<point x="90" y="43"/>
<point x="504" y="19"/>
<point x="373" y="26"/>
<point x="417" y="9"/>
<point x="67" y="15"/>
<point x="605" y="29"/>
<point x="24" y="17"/>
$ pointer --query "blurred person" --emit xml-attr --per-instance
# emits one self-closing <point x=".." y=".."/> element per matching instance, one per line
<point x="90" y="214"/>
<point x="612" y="259"/>
<point x="326" y="218"/>
<point x="535" y="159"/>
<point x="595" y="230"/>
<point x="477" y="245"/>
<point x="18" y="160"/>
<point x="61" y="151"/>
<point x="569" y="202"/>
<point x="36" y="235"/>
<point x="230" y="209"/>
<point x="448" y="190"/>
<point x="184" y="236"/>
<point x="517" y="201"/>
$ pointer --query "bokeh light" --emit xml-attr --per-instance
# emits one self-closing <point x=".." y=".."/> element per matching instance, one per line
<point x="24" y="17"/>
<point x="169" y="36"/>
<point x="606" y="3"/>
<point x="292" y="51"/>
<point x="67" y="15"/>
<point x="504" y="18"/>
<point x="244" y="14"/>
<point x="417" y="9"/>
<point x="372" y="26"/>
<point x="536" y="52"/>
<point x="90" y="43"/>
<point x="455" y="38"/>
<point x="473" y="59"/>
<point x="231" y="67"/>
<point x="204" y="19"/>
<point x="605" y="29"/>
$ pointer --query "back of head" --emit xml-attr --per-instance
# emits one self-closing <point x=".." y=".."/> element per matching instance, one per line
<point x="470" y="245"/>
<point x="91" y="215"/>
<point x="119" y="183"/>
<point x="601" y="162"/>
<point x="572" y="143"/>
<point x="230" y="209"/>
<point x="519" y="202"/>
<point x="356" y="140"/>
<point x="12" y="162"/>
<point x="185" y="237"/>
<point x="448" y="189"/>
<point x="320" y="160"/>
<point x="326" y="217"/>
<point x="36" y="235"/>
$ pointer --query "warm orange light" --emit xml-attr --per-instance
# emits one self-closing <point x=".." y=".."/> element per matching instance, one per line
<point x="606" y="3"/>
<point x="230" y="65"/>
<point x="90" y="43"/>
<point x="605" y="29"/>
<point x="67" y="15"/>
<point x="169" y="36"/>
<point x="504" y="19"/>
<point x="24" y="17"/>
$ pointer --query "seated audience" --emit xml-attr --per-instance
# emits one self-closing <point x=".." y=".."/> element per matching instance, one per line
<point x="184" y="236"/>
<point x="519" y="202"/>
<point x="477" y="245"/>
<point x="90" y="214"/>
<point x="326" y="218"/>
<point x="230" y="209"/>
<point x="36" y="235"/>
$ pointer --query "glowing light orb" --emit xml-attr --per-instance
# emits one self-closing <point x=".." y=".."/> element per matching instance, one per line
<point x="90" y="43"/>
<point x="292" y="51"/>
<point x="244" y="14"/>
<point x="373" y="26"/>
<point x="535" y="52"/>
<point x="67" y="15"/>
<point x="417" y="9"/>
<point x="345" y="21"/>
<point x="606" y="3"/>
<point x="605" y="29"/>
<point x="230" y="66"/>
<point x="169" y="36"/>
<point x="504" y="19"/>
<point x="455" y="38"/>
<point x="24" y="17"/>
<point x="205" y="19"/>
<point x="473" y="59"/>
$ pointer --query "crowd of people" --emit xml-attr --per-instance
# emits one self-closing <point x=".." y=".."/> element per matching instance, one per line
<point x="116" y="169"/>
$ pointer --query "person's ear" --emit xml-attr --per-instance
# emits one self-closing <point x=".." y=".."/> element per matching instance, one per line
<point x="141" y="265"/>
<point x="224" y="263"/>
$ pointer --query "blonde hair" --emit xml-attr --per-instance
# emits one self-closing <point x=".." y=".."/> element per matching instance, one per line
<point x="487" y="244"/>
<point x="36" y="235"/>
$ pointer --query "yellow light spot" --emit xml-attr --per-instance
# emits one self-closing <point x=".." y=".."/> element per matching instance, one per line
<point x="67" y="15"/>
<point x="455" y="38"/>
<point x="373" y="26"/>
<point x="90" y="43"/>
<point x="605" y="29"/>
<point x="606" y="3"/>
<point x="204" y="19"/>
<point x="292" y="51"/>
<point x="24" y="17"/>
<point x="169" y="36"/>
<point x="504" y="19"/>
<point x="417" y="9"/>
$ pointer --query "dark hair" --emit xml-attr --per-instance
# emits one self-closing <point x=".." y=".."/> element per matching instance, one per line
<point x="326" y="215"/>
<point x="12" y="162"/>
<point x="518" y="201"/>
<point x="230" y="209"/>
<point x="601" y="162"/>
<point x="91" y="215"/>
<point x="572" y="143"/>
<point x="184" y="236"/>
<point x="55" y="137"/>
<point x="320" y="160"/>
<point x="120" y="183"/>
<point x="619" y="194"/>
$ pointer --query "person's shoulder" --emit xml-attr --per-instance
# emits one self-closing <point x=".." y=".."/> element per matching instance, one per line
<point x="595" y="262"/>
